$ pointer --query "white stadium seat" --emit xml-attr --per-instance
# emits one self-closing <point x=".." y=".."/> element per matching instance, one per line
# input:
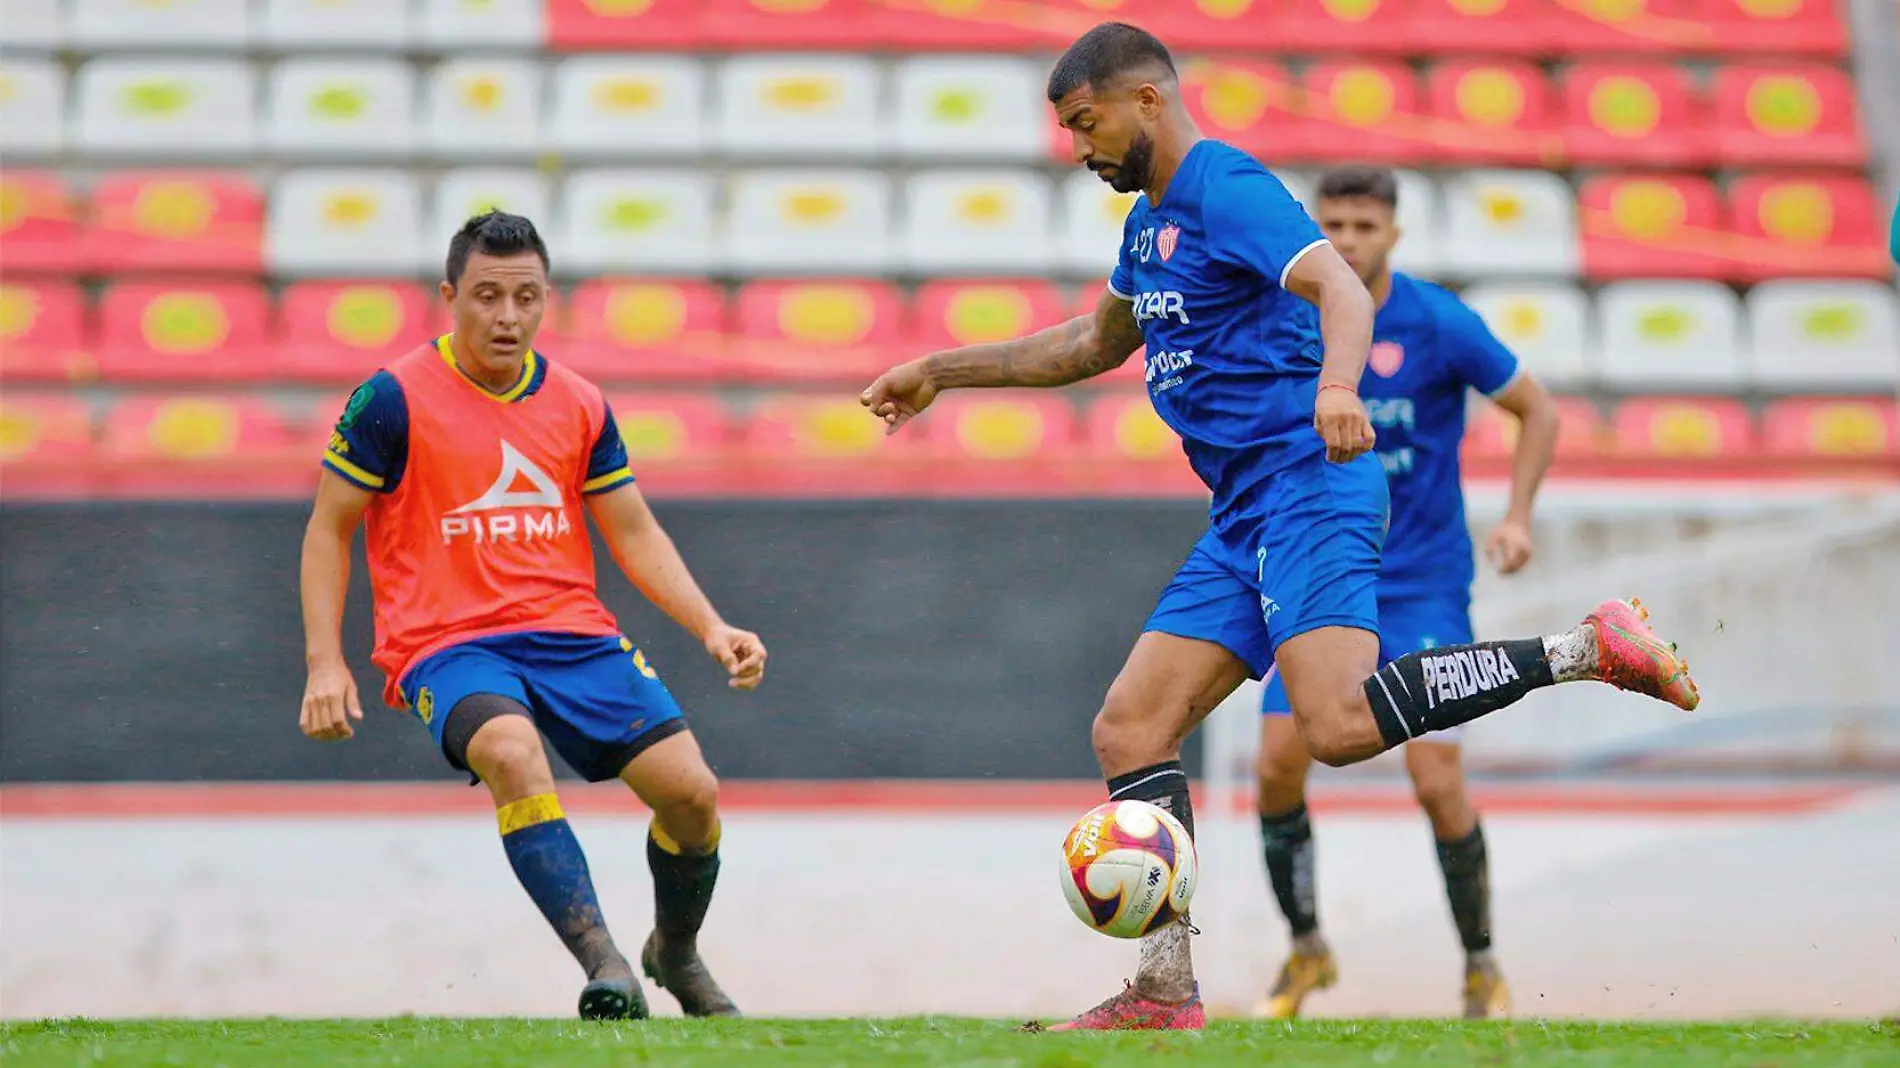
<point x="1421" y="218"/>
<point x="487" y="108"/>
<point x="364" y="223"/>
<point x="471" y="191"/>
<point x="1825" y="335"/>
<point x="32" y="108"/>
<point x="363" y="25"/>
<point x="635" y="221"/>
<point x="1509" y="222"/>
<point x="166" y="108"/>
<point x="977" y="222"/>
<point x="613" y="106"/>
<point x="799" y="106"/>
<point x="970" y="107"/>
<point x="452" y="25"/>
<point x="341" y="108"/>
<point x="1546" y="324"/>
<point x="1671" y="336"/>
<point x="1092" y="218"/>
<point x="808" y="221"/>
<point x="34" y="25"/>
<point x="99" y="25"/>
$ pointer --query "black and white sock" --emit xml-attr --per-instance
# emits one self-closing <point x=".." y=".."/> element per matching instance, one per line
<point x="1436" y="689"/>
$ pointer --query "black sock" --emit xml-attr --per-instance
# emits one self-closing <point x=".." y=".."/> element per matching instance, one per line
<point x="1164" y="785"/>
<point x="1468" y="886"/>
<point x="1435" y="689"/>
<point x="682" y="889"/>
<point x="1288" y="841"/>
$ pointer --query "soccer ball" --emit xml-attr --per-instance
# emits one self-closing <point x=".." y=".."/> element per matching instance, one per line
<point x="1128" y="867"/>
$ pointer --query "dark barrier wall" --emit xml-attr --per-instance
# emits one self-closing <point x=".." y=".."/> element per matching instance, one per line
<point x="934" y="639"/>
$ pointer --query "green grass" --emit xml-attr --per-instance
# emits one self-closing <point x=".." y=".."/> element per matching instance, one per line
<point x="935" y="1043"/>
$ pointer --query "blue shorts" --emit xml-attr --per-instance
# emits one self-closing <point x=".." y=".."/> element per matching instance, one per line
<point x="597" y="699"/>
<point x="1406" y="625"/>
<point x="1310" y="560"/>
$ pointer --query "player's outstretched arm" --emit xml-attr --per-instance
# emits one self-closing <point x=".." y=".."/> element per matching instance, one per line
<point x="1069" y="352"/>
<point x="1509" y="546"/>
<point x="653" y="564"/>
<point x="330" y="700"/>
<point x="1323" y="278"/>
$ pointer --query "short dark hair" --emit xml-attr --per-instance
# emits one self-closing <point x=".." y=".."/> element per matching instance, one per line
<point x="493" y="233"/>
<point x="1379" y="183"/>
<point x="1105" y="53"/>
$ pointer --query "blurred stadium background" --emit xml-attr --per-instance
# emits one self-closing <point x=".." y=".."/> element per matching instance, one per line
<point x="216" y="216"/>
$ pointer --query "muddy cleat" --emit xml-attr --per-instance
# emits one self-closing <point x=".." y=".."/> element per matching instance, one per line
<point x="684" y="976"/>
<point x="613" y="999"/>
<point x="1631" y="657"/>
<point x="1487" y="995"/>
<point x="1129" y="1011"/>
<point x="1302" y="974"/>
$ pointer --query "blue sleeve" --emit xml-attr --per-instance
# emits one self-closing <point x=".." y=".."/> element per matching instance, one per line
<point x="1122" y="281"/>
<point x="607" y="467"/>
<point x="369" y="446"/>
<point x="1254" y="223"/>
<point x="1475" y="354"/>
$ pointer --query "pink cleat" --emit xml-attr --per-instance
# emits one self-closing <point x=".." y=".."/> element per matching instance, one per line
<point x="1631" y="657"/>
<point x="1129" y="1011"/>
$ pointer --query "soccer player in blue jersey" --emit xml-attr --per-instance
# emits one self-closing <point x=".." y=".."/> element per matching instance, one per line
<point x="1257" y="334"/>
<point x="1429" y="351"/>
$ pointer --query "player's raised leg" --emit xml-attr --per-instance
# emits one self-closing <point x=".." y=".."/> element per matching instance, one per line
<point x="1438" y="779"/>
<point x="1286" y="838"/>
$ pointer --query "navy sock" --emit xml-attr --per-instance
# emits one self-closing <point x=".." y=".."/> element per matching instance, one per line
<point x="1467" y="871"/>
<point x="1287" y="839"/>
<point x="1436" y="689"/>
<point x="548" y="861"/>
<point x="682" y="887"/>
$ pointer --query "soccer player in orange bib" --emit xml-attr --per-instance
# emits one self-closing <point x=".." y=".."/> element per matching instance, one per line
<point x="468" y="461"/>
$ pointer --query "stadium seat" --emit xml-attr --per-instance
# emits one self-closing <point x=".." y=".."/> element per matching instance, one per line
<point x="493" y="25"/>
<point x="981" y="222"/>
<point x="39" y="224"/>
<point x="1250" y="104"/>
<point x="827" y="221"/>
<point x="822" y="427"/>
<point x="345" y="223"/>
<point x="1421" y="216"/>
<point x="32" y="108"/>
<point x="1685" y="428"/>
<point x="643" y="330"/>
<point x="465" y="193"/>
<point x="603" y="105"/>
<point x="969" y="107"/>
<point x="1811" y="336"/>
<point x="1496" y="112"/>
<point x="43" y="426"/>
<point x="1509" y="222"/>
<point x="104" y="25"/>
<point x="169" y="108"/>
<point x="34" y="25"/>
<point x="176" y="221"/>
<point x="670" y="427"/>
<point x="1621" y="27"/>
<point x="949" y="314"/>
<point x="152" y="331"/>
<point x="1491" y="432"/>
<point x="591" y="26"/>
<point x="1339" y="26"/>
<point x="1832" y="428"/>
<point x="1633" y="114"/>
<point x="1001" y="427"/>
<point x="206" y="444"/>
<point x="1671" y="336"/>
<point x="341" y="332"/>
<point x="340" y="109"/>
<point x="1482" y="27"/>
<point x="470" y="101"/>
<point x="761" y="25"/>
<point x="1363" y="110"/>
<point x="1545" y="323"/>
<point x="821" y="330"/>
<point x="1787" y="113"/>
<point x="628" y="221"/>
<point x="968" y="26"/>
<point x="358" y="25"/>
<point x="43" y="334"/>
<point x="1777" y="27"/>
<point x="1796" y="225"/>
<point x="1656" y="226"/>
<point x="1092" y="217"/>
<point x="1135" y="452"/>
<point x="799" y="106"/>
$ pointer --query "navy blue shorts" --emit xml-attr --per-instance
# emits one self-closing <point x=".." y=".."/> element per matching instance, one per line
<point x="1406" y="625"/>
<point x="597" y="699"/>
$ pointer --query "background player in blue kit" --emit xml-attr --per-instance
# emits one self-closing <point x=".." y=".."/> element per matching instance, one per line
<point x="1428" y="352"/>
<point x="1257" y="333"/>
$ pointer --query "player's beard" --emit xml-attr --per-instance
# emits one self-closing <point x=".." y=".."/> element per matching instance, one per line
<point x="1131" y="174"/>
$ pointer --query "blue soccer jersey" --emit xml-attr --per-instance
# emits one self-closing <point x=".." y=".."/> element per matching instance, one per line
<point x="1233" y="358"/>
<point x="1428" y="351"/>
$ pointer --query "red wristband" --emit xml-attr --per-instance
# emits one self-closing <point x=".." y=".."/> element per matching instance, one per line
<point x="1337" y="385"/>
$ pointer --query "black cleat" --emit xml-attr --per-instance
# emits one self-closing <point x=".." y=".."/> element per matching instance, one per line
<point x="684" y="976"/>
<point x="613" y="999"/>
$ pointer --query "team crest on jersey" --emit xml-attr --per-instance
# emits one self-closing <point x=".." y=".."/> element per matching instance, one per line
<point x="1386" y="359"/>
<point x="1167" y="241"/>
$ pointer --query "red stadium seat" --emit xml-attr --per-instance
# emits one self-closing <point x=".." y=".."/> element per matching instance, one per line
<point x="949" y="314"/>
<point x="626" y="25"/>
<point x="747" y="25"/>
<point x="1782" y="114"/>
<point x="42" y="426"/>
<point x="344" y="331"/>
<point x="821" y="427"/>
<point x="972" y="26"/>
<point x="640" y="330"/>
<point x="1652" y="226"/>
<point x="208" y="445"/>
<point x="1247" y="103"/>
<point x="1777" y="27"/>
<point x="993" y="426"/>
<point x="1132" y="450"/>
<point x="1621" y="27"/>
<point x="154" y="332"/>
<point x="1364" y="111"/>
<point x="1637" y="114"/>
<point x="1490" y="27"/>
<point x="668" y="428"/>
<point x="1832" y="428"/>
<point x="39" y="225"/>
<point x="1351" y="27"/>
<point x="176" y="221"/>
<point x="1807" y="226"/>
<point x="1495" y="112"/>
<point x="818" y="331"/>
<point x="1492" y="432"/>
<point x="1682" y="428"/>
<point x="43" y="332"/>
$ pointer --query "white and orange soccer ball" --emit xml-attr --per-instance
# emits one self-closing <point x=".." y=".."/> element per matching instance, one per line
<point x="1128" y="868"/>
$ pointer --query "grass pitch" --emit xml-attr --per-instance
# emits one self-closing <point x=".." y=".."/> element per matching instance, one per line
<point x="935" y="1043"/>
